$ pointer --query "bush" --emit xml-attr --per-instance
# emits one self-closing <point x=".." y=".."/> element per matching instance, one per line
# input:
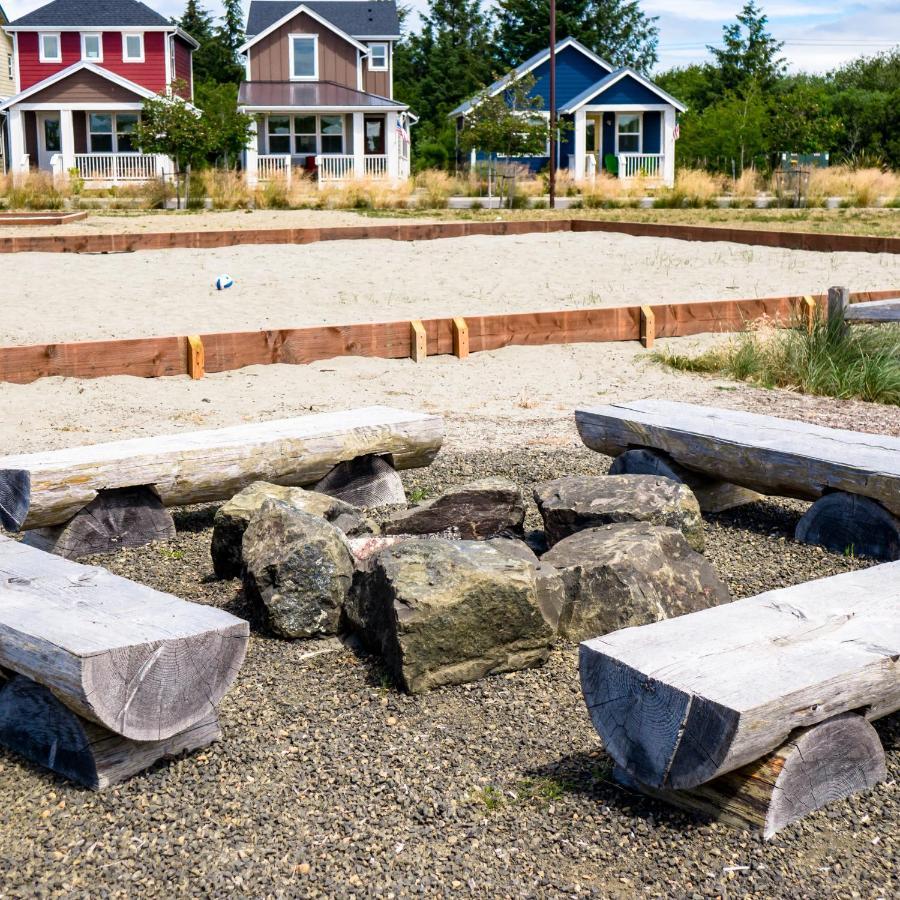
<point x="432" y="155"/>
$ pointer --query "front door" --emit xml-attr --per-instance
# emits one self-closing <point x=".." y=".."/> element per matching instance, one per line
<point x="49" y="138"/>
<point x="374" y="129"/>
<point x="593" y="132"/>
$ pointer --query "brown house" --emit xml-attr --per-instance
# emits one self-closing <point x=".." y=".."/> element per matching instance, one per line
<point x="319" y="83"/>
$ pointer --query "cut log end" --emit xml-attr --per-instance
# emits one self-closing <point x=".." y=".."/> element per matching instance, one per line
<point x="851" y="524"/>
<point x="15" y="498"/>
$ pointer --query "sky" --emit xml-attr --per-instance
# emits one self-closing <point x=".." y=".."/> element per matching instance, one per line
<point x="818" y="35"/>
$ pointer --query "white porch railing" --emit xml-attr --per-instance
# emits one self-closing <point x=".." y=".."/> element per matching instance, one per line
<point x="632" y="165"/>
<point x="115" y="167"/>
<point x="272" y="165"/>
<point x="335" y="167"/>
<point x="376" y="166"/>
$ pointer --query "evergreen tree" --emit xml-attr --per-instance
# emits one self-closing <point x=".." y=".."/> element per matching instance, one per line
<point x="232" y="29"/>
<point x="215" y="59"/>
<point x="749" y="53"/>
<point x="617" y="30"/>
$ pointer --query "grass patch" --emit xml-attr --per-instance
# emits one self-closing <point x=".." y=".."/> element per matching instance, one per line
<point x="861" y="362"/>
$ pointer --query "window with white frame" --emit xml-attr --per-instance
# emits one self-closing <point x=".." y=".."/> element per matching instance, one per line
<point x="112" y="132"/>
<point x="133" y="47"/>
<point x="378" y="57"/>
<point x="628" y="133"/>
<point x="331" y="134"/>
<point x="305" y="135"/>
<point x="9" y="67"/>
<point x="92" y="47"/>
<point x="304" y="53"/>
<point x="49" y="47"/>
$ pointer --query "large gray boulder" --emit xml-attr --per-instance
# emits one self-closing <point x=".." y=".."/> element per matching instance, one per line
<point x="232" y="518"/>
<point x="447" y="612"/>
<point x="480" y="509"/>
<point x="298" y="567"/>
<point x="619" y="576"/>
<point x="568" y="505"/>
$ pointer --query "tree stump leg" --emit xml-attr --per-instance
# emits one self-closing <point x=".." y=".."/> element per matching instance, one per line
<point x="124" y="517"/>
<point x="835" y="759"/>
<point x="712" y="495"/>
<point x="366" y="481"/>
<point x="851" y="524"/>
<point x="36" y="725"/>
<point x="15" y="497"/>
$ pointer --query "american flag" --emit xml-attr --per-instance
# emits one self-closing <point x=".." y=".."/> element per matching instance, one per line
<point x="676" y="132"/>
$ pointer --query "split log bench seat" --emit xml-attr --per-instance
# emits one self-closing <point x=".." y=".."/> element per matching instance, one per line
<point x="757" y="710"/>
<point x="94" y="498"/>
<point x="854" y="478"/>
<point x="103" y="676"/>
<point x="874" y="312"/>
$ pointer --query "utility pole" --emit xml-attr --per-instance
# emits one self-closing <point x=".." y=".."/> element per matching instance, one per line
<point x="552" y="104"/>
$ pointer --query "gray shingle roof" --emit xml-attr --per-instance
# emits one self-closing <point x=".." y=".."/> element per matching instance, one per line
<point x="93" y="14"/>
<point x="358" y="18"/>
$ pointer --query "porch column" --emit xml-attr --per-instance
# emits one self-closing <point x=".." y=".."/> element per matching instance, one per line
<point x="669" y="146"/>
<point x="580" y="143"/>
<point x="359" y="145"/>
<point x="392" y="146"/>
<point x="16" y="126"/>
<point x="67" y="140"/>
<point x="251" y="155"/>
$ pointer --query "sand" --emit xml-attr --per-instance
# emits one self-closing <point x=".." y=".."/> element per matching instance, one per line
<point x="59" y="297"/>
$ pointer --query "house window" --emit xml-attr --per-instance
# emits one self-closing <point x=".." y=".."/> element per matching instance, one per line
<point x="132" y="48"/>
<point x="378" y="57"/>
<point x="305" y="134"/>
<point x="52" y="138"/>
<point x="49" y="48"/>
<point x="332" y="129"/>
<point x="126" y="123"/>
<point x="112" y="132"/>
<point x="92" y="47"/>
<point x="304" y="57"/>
<point x="279" y="134"/>
<point x="9" y="67"/>
<point x="628" y="133"/>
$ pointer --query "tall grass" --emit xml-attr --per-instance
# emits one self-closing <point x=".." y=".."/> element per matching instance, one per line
<point x="857" y="187"/>
<point x="692" y="188"/>
<point x="861" y="362"/>
<point x="34" y="190"/>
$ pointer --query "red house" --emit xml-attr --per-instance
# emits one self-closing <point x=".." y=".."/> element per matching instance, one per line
<point x="82" y="69"/>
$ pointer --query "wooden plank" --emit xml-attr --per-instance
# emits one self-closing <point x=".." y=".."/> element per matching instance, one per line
<point x="766" y="454"/>
<point x="143" y="664"/>
<point x="648" y="326"/>
<point x="199" y="466"/>
<point x="838" y="301"/>
<point x="879" y="312"/>
<point x="460" y="338"/>
<point x="684" y="700"/>
<point x="195" y="356"/>
<point x="418" y="341"/>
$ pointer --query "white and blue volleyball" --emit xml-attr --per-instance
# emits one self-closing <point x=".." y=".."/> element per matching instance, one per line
<point x="223" y="282"/>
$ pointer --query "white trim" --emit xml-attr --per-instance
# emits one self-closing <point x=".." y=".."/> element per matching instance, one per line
<point x="49" y="59"/>
<point x="391" y="70"/>
<point x="85" y="106"/>
<point x="92" y="34"/>
<point x="640" y="131"/>
<point x="615" y="79"/>
<point x="113" y="114"/>
<point x="378" y="37"/>
<point x="630" y="107"/>
<point x="170" y="59"/>
<point x="133" y="59"/>
<point x="39" y="28"/>
<point x="17" y="81"/>
<point x="301" y="8"/>
<point x="308" y="37"/>
<point x="386" y="65"/>
<point x="317" y="110"/>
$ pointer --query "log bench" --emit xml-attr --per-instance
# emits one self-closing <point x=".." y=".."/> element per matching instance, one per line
<point x="104" y="496"/>
<point x="758" y="710"/>
<point x="727" y="456"/>
<point x="102" y="676"/>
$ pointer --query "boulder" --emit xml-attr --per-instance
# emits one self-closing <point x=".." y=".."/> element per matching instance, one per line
<point x="480" y="509"/>
<point x="572" y="504"/>
<point x="367" y="481"/>
<point x="448" y="612"/>
<point x="232" y="518"/>
<point x="619" y="576"/>
<point x="298" y="567"/>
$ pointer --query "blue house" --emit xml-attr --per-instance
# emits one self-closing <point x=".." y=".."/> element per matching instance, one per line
<point x="620" y="121"/>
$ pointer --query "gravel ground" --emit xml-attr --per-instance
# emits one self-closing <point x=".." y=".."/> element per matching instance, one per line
<point x="331" y="783"/>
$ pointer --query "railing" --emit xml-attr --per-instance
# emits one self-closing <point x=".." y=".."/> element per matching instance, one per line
<point x="274" y="166"/>
<point x="116" y="167"/>
<point x="376" y="166"/>
<point x="335" y="167"/>
<point x="632" y="165"/>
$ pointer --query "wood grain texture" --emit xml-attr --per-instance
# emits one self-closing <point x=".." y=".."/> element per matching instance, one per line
<point x="199" y="466"/>
<point x="460" y="338"/>
<point x="879" y="312"/>
<point x="143" y="664"/>
<point x="196" y="365"/>
<point x="685" y="700"/>
<point x="766" y="454"/>
<point x="851" y="524"/>
<point x="648" y="326"/>
<point x="418" y="341"/>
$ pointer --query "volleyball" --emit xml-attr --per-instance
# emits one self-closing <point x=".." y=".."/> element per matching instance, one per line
<point x="223" y="282"/>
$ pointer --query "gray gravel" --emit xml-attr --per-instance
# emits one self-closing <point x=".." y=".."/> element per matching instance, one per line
<point x="330" y="783"/>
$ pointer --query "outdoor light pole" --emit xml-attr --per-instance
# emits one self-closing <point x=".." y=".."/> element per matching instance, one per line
<point x="552" y="104"/>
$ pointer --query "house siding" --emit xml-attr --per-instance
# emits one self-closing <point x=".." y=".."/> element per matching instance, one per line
<point x="183" y="67"/>
<point x="575" y="73"/>
<point x="7" y="84"/>
<point x="379" y="82"/>
<point x="84" y="87"/>
<point x="626" y="91"/>
<point x="652" y="132"/>
<point x="270" y="58"/>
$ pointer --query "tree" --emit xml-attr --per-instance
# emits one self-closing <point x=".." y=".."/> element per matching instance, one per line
<point x="228" y="130"/>
<point x="617" y="30"/>
<point x="748" y="52"/>
<point x="215" y="59"/>
<point x="232" y="29"/>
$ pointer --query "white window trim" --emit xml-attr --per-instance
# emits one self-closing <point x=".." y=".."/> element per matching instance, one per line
<point x="372" y="67"/>
<point x="640" y="131"/>
<point x="132" y="59"/>
<point x="49" y="59"/>
<point x="115" y="129"/>
<point x="315" y="39"/>
<point x="93" y="34"/>
<point x="293" y="134"/>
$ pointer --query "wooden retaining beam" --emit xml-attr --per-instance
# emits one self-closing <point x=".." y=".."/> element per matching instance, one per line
<point x="460" y="338"/>
<point x="418" y="341"/>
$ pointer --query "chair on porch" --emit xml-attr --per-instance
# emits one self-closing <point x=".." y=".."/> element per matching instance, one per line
<point x="611" y="163"/>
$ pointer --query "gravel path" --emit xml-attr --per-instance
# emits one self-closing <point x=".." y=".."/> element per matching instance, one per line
<point x="329" y="783"/>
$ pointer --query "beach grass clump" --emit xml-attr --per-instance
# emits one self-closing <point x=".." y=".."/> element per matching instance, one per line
<point x="34" y="190"/>
<point x="693" y="188"/>
<point x="434" y="188"/>
<point x="857" y="187"/>
<point x="829" y="359"/>
<point x="745" y="188"/>
<point x="604" y="191"/>
<point x="227" y="189"/>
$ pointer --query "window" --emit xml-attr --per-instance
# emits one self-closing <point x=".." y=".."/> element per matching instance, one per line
<point x="305" y="133"/>
<point x="52" y="139"/>
<point x="49" y="48"/>
<point x="100" y="126"/>
<point x="378" y="57"/>
<point x="92" y="47"/>
<point x="332" y="128"/>
<point x="308" y="135"/>
<point x="279" y="134"/>
<point x="132" y="48"/>
<point x="628" y="133"/>
<point x="112" y="132"/>
<point x="126" y="123"/>
<point x="304" y="57"/>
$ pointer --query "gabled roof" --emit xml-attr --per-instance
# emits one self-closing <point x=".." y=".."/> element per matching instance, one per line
<point x="3" y="17"/>
<point x="606" y="83"/>
<point x="93" y="14"/>
<point x="525" y="67"/>
<point x="359" y="18"/>
<point x="269" y="95"/>
<point x="294" y="11"/>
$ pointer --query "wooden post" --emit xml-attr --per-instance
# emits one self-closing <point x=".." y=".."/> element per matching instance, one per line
<point x="648" y="327"/>
<point x="460" y="338"/>
<point x="418" y="341"/>
<point x="808" y="311"/>
<point x="838" y="301"/>
<point x="196" y="359"/>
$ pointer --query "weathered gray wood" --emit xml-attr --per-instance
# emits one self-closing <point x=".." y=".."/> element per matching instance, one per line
<point x="815" y="767"/>
<point x="199" y="466"/>
<point x="838" y="301"/>
<point x="763" y="453"/>
<point x="15" y="488"/>
<point x="684" y="700"/>
<point x="877" y="312"/>
<point x="712" y="495"/>
<point x="36" y="725"/>
<point x="366" y="482"/>
<point x="122" y="517"/>
<point x="851" y="524"/>
<point x="143" y="664"/>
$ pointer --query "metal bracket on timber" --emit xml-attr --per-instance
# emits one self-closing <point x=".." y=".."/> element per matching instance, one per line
<point x="648" y="326"/>
<point x="196" y="357"/>
<point x="418" y="341"/>
<point x="460" y="338"/>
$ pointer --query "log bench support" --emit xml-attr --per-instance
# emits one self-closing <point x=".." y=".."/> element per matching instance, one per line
<point x="851" y="524"/>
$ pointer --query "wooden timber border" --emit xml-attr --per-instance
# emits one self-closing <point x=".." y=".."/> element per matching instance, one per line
<point x="427" y="231"/>
<point x="196" y="355"/>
